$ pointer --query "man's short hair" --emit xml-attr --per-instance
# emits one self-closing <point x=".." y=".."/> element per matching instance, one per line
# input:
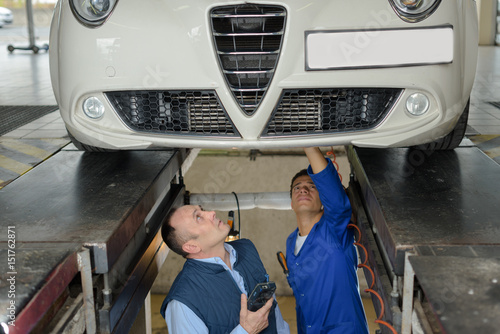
<point x="172" y="237"/>
<point x="299" y="174"/>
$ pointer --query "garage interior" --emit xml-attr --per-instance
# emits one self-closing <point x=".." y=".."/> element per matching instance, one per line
<point x="30" y="141"/>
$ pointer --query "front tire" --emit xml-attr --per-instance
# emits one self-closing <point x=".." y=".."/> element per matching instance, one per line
<point x="452" y="139"/>
<point x="84" y="147"/>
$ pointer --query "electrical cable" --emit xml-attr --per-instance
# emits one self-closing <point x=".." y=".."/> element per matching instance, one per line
<point x="239" y="217"/>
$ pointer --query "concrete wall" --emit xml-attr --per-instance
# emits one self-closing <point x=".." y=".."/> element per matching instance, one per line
<point x="268" y="229"/>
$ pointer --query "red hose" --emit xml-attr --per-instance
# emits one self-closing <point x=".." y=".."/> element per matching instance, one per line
<point x="386" y="324"/>
<point x="364" y="249"/>
<point x="371" y="272"/>
<point x="357" y="228"/>
<point x="378" y="321"/>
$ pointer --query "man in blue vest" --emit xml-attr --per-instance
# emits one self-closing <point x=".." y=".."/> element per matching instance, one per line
<point x="320" y="254"/>
<point x="210" y="293"/>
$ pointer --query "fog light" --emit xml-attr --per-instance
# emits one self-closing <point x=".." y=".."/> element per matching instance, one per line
<point x="93" y="108"/>
<point x="417" y="104"/>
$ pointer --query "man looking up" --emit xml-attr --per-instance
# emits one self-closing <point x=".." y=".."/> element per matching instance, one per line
<point x="210" y="293"/>
<point x="320" y="254"/>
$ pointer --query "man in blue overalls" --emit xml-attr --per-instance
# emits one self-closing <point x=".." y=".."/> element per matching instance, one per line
<point x="320" y="254"/>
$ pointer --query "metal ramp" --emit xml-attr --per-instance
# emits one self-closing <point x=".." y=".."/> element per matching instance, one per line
<point x="84" y="234"/>
<point x="433" y="227"/>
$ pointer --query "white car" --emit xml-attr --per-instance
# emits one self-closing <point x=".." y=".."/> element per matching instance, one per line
<point x="6" y="16"/>
<point x="263" y="74"/>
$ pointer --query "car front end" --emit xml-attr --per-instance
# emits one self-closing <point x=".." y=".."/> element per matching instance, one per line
<point x="266" y="74"/>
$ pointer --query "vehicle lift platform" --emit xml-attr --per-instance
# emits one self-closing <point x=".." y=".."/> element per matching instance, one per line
<point x="80" y="242"/>
<point x="81" y="245"/>
<point x="432" y="226"/>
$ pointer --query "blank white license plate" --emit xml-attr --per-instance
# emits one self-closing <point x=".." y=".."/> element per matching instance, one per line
<point x="378" y="48"/>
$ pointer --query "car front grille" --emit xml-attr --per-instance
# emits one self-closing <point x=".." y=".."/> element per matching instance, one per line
<point x="197" y="113"/>
<point x="248" y="41"/>
<point x="317" y="111"/>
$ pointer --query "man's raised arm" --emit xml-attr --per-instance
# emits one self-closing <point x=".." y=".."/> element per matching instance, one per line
<point x="316" y="159"/>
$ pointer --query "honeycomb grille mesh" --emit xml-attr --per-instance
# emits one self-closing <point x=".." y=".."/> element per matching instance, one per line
<point x="173" y="112"/>
<point x="248" y="41"/>
<point x="311" y="111"/>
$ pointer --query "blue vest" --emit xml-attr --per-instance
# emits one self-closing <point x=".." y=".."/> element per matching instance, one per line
<point x="212" y="294"/>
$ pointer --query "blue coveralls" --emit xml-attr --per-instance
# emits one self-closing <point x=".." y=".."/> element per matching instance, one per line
<point x="323" y="274"/>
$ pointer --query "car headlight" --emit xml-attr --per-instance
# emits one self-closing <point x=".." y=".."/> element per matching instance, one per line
<point x="414" y="10"/>
<point x="92" y="12"/>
